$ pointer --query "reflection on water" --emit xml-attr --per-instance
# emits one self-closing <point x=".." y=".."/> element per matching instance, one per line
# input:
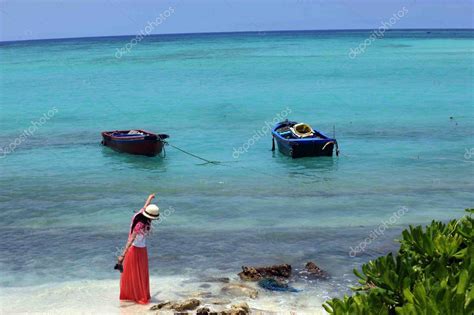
<point x="307" y="170"/>
<point x="119" y="159"/>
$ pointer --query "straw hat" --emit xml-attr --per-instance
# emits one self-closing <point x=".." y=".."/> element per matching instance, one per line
<point x="152" y="212"/>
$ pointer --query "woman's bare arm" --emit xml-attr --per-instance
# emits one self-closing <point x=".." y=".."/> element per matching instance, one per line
<point x="148" y="200"/>
<point x="127" y="246"/>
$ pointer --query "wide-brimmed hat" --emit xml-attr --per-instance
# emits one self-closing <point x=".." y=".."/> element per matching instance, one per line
<point x="152" y="212"/>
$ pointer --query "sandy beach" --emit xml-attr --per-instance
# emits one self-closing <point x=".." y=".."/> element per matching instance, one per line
<point x="80" y="297"/>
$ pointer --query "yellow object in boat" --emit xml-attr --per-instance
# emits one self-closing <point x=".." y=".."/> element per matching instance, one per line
<point x="302" y="130"/>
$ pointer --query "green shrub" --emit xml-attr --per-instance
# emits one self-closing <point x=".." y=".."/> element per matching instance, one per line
<point x="431" y="274"/>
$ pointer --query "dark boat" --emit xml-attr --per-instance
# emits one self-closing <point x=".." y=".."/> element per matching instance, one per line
<point x="300" y="140"/>
<point x="138" y="142"/>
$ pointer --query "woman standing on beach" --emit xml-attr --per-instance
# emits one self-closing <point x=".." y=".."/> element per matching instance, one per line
<point x="134" y="281"/>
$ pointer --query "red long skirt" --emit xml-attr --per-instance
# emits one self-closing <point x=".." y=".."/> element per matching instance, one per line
<point x="134" y="281"/>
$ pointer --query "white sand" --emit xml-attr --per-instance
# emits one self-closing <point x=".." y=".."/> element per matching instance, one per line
<point x="101" y="296"/>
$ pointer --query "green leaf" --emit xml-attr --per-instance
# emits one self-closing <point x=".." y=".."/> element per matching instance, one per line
<point x="462" y="285"/>
<point x="408" y="295"/>
<point x="328" y="308"/>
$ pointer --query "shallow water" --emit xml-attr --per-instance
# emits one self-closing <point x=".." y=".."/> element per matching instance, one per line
<point x="66" y="202"/>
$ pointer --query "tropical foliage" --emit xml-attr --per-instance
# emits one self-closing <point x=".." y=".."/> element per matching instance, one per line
<point x="432" y="273"/>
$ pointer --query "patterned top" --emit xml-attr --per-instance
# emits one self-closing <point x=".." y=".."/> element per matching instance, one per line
<point x="140" y="240"/>
<point x="141" y="231"/>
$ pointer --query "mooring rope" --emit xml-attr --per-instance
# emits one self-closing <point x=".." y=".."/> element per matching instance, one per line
<point x="239" y="166"/>
<point x="191" y="154"/>
<point x="324" y="146"/>
<point x="164" y="150"/>
<point x="220" y="163"/>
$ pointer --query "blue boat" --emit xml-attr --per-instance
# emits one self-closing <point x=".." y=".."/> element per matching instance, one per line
<point x="300" y="140"/>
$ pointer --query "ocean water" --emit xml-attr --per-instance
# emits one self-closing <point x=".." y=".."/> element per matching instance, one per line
<point x="402" y="112"/>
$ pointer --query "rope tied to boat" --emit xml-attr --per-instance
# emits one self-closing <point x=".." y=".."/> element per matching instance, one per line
<point x="325" y="145"/>
<point x="335" y="144"/>
<point x="191" y="154"/>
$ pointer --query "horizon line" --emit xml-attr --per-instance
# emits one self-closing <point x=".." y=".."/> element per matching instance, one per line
<point x="233" y="32"/>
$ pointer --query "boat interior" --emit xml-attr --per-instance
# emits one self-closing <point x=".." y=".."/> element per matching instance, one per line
<point x="139" y="134"/>
<point x="299" y="131"/>
<point x="128" y="133"/>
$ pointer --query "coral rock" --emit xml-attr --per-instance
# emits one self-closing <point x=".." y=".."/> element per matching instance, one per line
<point x="315" y="271"/>
<point x="164" y="305"/>
<point x="203" y="311"/>
<point x="187" y="305"/>
<point x="258" y="273"/>
<point x="244" y="307"/>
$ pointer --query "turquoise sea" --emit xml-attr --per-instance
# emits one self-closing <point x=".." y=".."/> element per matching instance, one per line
<point x="402" y="111"/>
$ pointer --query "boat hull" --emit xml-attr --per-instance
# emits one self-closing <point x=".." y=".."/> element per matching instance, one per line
<point x="148" y="145"/>
<point x="303" y="147"/>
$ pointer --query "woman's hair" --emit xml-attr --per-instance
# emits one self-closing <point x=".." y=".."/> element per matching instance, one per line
<point x="142" y="219"/>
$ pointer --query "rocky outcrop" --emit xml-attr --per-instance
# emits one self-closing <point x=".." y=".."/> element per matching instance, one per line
<point x="258" y="273"/>
<point x="240" y="309"/>
<point x="236" y="309"/>
<point x="203" y="311"/>
<point x="237" y="289"/>
<point x="161" y="306"/>
<point x="313" y="271"/>
<point x="187" y="305"/>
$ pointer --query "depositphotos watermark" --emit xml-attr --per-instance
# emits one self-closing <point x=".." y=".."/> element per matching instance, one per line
<point x="377" y="232"/>
<point x="259" y="133"/>
<point x="164" y="215"/>
<point x="143" y="33"/>
<point x="469" y="153"/>
<point x="34" y="126"/>
<point x="379" y="33"/>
